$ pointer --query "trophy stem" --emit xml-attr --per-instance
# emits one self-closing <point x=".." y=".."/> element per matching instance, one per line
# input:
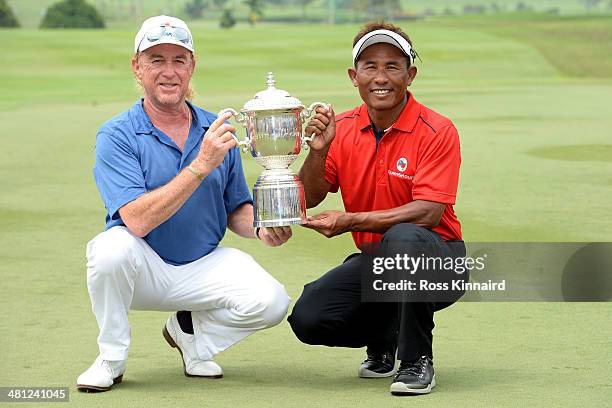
<point x="278" y="162"/>
<point x="278" y="199"/>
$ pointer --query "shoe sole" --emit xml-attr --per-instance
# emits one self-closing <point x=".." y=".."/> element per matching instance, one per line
<point x="365" y="373"/>
<point x="93" y="388"/>
<point x="400" y="388"/>
<point x="173" y="344"/>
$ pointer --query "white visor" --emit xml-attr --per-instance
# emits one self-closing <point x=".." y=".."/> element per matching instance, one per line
<point x="383" y="36"/>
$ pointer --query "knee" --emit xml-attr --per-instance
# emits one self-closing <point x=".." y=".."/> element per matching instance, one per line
<point x="110" y="252"/>
<point x="407" y="232"/>
<point x="274" y="306"/>
<point x="305" y="324"/>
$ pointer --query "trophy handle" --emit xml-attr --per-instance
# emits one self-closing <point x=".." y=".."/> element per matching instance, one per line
<point x="241" y="118"/>
<point x="305" y="114"/>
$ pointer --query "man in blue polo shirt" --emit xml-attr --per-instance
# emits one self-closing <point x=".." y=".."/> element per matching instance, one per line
<point x="171" y="179"/>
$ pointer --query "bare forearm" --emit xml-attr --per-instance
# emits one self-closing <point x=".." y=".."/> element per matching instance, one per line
<point x="150" y="210"/>
<point x="422" y="213"/>
<point x="241" y="221"/>
<point x="312" y="174"/>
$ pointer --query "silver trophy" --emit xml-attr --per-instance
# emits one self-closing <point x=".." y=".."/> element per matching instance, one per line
<point x="273" y="120"/>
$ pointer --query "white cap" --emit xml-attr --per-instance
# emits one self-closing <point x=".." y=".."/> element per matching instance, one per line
<point x="383" y="36"/>
<point x="172" y="30"/>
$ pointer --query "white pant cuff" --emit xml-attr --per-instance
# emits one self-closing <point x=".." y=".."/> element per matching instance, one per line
<point x="113" y="355"/>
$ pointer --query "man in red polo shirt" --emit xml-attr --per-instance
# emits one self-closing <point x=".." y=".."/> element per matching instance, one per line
<point x="396" y="163"/>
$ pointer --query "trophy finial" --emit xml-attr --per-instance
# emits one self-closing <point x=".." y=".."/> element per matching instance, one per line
<point x="271" y="82"/>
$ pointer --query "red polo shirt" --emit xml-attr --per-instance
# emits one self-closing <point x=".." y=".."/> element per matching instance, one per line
<point x="418" y="158"/>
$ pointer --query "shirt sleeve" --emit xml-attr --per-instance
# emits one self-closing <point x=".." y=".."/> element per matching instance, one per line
<point x="437" y="172"/>
<point x="331" y="170"/>
<point x="236" y="190"/>
<point x="117" y="172"/>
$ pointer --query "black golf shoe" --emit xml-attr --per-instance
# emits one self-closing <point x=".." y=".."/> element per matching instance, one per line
<point x="378" y="364"/>
<point x="415" y="377"/>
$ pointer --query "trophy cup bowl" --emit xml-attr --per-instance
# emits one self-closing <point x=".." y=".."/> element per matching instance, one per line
<point x="273" y="120"/>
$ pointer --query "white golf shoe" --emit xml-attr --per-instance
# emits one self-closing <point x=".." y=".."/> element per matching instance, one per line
<point x="101" y="376"/>
<point x="193" y="366"/>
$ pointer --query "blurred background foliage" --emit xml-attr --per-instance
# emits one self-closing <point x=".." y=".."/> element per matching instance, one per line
<point x="123" y="13"/>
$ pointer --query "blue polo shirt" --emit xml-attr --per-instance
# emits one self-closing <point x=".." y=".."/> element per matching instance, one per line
<point x="134" y="157"/>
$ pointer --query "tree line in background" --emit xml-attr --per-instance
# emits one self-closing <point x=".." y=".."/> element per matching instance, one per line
<point x="63" y="14"/>
<point x="83" y="14"/>
<point x="7" y="17"/>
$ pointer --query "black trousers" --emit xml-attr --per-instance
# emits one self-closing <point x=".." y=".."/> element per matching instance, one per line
<point x="330" y="311"/>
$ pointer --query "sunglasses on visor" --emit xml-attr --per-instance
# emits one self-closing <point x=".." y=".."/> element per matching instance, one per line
<point x="157" y="33"/>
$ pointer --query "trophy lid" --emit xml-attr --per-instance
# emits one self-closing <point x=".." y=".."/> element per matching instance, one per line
<point x="271" y="99"/>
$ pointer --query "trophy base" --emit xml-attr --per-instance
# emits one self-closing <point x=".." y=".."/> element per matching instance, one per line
<point x="278" y="199"/>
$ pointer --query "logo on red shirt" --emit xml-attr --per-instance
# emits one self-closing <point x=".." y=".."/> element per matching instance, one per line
<point x="402" y="164"/>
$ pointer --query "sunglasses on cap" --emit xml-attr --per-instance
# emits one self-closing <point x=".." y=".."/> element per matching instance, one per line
<point x="157" y="33"/>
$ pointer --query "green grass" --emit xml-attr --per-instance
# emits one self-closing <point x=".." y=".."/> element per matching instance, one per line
<point x="535" y="146"/>
<point x="578" y="46"/>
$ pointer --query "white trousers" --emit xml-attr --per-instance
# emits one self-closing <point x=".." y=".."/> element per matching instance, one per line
<point x="229" y="294"/>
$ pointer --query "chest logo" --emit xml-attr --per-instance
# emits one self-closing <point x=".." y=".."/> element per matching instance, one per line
<point x="402" y="164"/>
